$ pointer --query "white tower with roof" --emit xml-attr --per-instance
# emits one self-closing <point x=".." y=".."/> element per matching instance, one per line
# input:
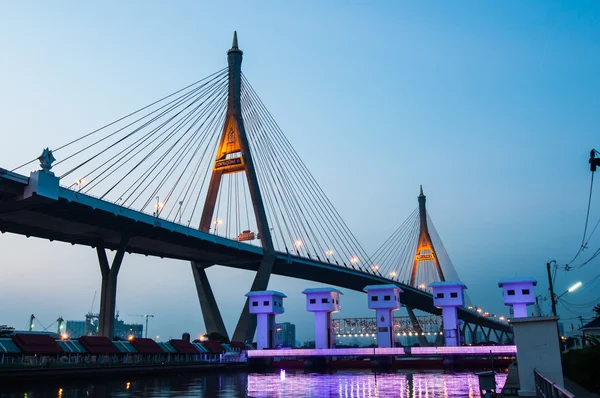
<point x="265" y="304"/>
<point x="323" y="302"/>
<point x="518" y="293"/>
<point x="449" y="296"/>
<point x="384" y="299"/>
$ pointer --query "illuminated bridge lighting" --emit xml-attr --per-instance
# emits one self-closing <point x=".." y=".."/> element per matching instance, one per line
<point x="460" y="350"/>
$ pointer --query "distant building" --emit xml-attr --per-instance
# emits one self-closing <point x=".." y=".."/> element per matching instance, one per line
<point x="125" y="330"/>
<point x="590" y="330"/>
<point x="286" y="334"/>
<point x="75" y="329"/>
<point x="89" y="327"/>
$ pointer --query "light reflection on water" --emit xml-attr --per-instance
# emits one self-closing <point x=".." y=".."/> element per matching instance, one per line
<point x="343" y="384"/>
<point x="367" y="384"/>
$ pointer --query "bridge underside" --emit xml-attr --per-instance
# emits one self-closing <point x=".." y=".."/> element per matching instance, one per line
<point x="75" y="223"/>
<point x="85" y="220"/>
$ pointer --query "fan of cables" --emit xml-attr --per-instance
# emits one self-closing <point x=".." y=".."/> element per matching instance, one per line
<point x="396" y="256"/>
<point x="159" y="160"/>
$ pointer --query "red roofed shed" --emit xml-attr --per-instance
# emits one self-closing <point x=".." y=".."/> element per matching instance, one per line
<point x="41" y="344"/>
<point x="184" y="346"/>
<point x="146" y="346"/>
<point x="239" y="345"/>
<point x="98" y="345"/>
<point x="214" y="347"/>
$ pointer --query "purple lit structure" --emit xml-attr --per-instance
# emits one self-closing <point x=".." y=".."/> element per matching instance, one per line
<point x="323" y="302"/>
<point x="384" y="299"/>
<point x="265" y="304"/>
<point x="449" y="296"/>
<point x="518" y="293"/>
<point x="465" y="350"/>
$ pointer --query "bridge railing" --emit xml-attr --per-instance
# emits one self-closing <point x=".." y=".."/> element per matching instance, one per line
<point x="547" y="389"/>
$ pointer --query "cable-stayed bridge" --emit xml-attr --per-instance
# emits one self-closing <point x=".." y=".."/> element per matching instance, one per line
<point x="204" y="175"/>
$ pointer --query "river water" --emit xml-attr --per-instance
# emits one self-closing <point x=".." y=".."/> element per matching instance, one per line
<point x="281" y="384"/>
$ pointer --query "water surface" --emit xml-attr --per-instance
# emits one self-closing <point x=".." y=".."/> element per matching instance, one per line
<point x="345" y="384"/>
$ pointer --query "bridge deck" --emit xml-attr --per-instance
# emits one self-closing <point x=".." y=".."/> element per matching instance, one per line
<point x="85" y="220"/>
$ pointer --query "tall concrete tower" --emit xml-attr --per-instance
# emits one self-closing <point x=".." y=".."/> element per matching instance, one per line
<point x="266" y="305"/>
<point x="449" y="296"/>
<point x="384" y="299"/>
<point x="425" y="250"/>
<point x="234" y="156"/>
<point x="323" y="301"/>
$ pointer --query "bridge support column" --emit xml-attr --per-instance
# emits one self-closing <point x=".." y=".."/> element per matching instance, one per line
<point x="475" y="333"/>
<point x="213" y="321"/>
<point x="502" y="337"/>
<point x="246" y="326"/>
<point x="487" y="335"/>
<point x="463" y="334"/>
<point x="108" y="293"/>
<point x="497" y="336"/>
<point x="413" y="319"/>
<point x="471" y="339"/>
<point x="439" y="338"/>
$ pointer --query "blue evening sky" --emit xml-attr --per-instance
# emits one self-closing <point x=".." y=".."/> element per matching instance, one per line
<point x="492" y="106"/>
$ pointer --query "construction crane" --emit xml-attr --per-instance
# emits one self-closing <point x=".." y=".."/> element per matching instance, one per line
<point x="145" y="316"/>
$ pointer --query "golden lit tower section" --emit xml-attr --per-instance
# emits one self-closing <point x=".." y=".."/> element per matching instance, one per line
<point x="425" y="251"/>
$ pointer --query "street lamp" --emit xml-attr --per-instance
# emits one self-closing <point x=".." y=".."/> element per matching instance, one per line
<point x="570" y="290"/>
<point x="554" y="298"/>
<point x="179" y="211"/>
<point x="159" y="205"/>
<point x="574" y="287"/>
<point x="80" y="183"/>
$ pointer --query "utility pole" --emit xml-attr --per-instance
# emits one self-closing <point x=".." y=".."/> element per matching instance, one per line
<point x="552" y="297"/>
<point x="594" y="161"/>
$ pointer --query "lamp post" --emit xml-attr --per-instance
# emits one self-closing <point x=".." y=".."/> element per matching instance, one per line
<point x="552" y="300"/>
<point x="571" y="289"/>
<point x="180" y="203"/>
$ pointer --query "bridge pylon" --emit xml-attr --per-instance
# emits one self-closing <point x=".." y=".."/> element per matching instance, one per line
<point x="425" y="250"/>
<point x="234" y="156"/>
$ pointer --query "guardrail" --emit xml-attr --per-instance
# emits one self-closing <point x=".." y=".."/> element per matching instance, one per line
<point x="547" y="389"/>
